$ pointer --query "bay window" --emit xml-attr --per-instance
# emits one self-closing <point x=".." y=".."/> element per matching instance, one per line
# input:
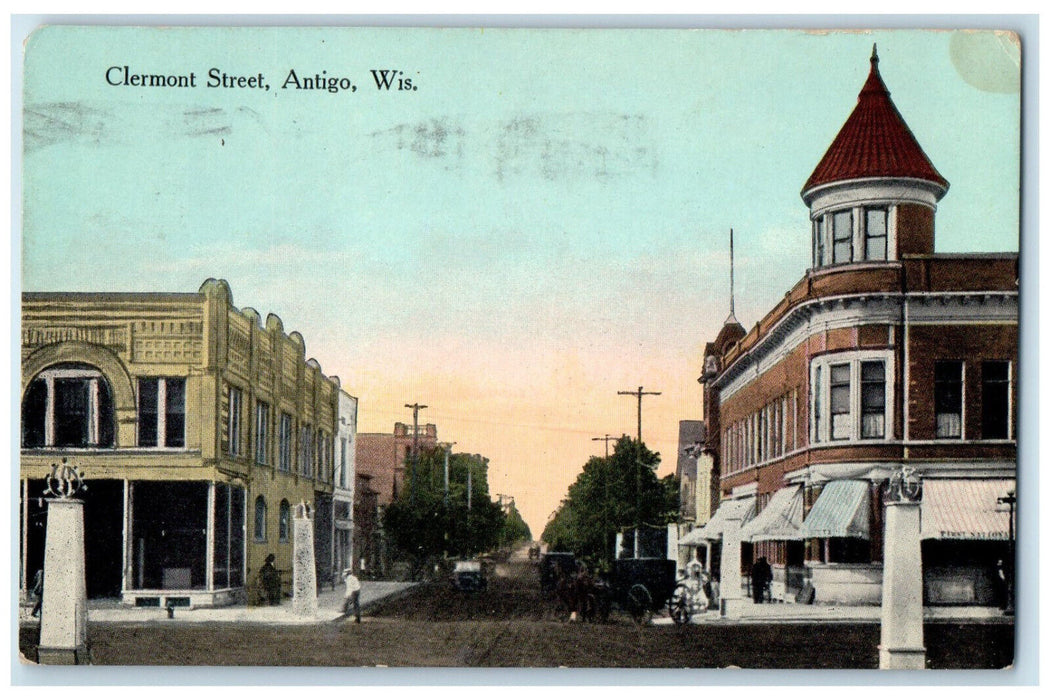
<point x="839" y="376"/>
<point x="855" y="388"/>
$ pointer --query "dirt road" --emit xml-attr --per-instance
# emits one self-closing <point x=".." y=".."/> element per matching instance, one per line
<point x="513" y="625"/>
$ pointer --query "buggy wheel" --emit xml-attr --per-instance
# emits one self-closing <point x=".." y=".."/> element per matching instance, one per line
<point x="680" y="604"/>
<point x="640" y="604"/>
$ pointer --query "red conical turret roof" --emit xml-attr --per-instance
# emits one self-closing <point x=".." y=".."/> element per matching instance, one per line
<point x="874" y="142"/>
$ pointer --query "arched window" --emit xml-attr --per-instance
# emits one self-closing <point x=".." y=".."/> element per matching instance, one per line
<point x="68" y="405"/>
<point x="283" y="521"/>
<point x="260" y="519"/>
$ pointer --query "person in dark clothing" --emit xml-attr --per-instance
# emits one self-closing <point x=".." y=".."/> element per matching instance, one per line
<point x="761" y="575"/>
<point x="38" y="591"/>
<point x="270" y="580"/>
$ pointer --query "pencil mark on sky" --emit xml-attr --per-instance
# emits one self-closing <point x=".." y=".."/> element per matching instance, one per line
<point x="567" y="146"/>
<point x="48" y="123"/>
<point x="431" y="139"/>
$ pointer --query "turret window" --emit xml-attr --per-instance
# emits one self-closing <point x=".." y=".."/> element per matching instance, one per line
<point x="818" y="242"/>
<point x="852" y="235"/>
<point x="875" y="234"/>
<point x="842" y="236"/>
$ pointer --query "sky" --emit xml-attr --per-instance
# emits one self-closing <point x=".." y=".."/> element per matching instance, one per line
<point x="540" y="222"/>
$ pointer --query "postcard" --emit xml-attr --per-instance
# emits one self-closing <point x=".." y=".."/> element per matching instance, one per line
<point x="532" y="348"/>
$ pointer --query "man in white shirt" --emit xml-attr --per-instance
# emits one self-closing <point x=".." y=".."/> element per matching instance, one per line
<point x="352" y="597"/>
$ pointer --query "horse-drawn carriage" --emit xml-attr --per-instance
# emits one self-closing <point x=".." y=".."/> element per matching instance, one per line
<point x="643" y="586"/>
<point x="639" y="587"/>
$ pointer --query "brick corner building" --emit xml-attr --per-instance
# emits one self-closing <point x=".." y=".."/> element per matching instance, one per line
<point x="884" y="355"/>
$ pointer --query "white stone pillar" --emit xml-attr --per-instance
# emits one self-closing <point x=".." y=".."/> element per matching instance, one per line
<point x="732" y="601"/>
<point x="63" y="615"/>
<point x="304" y="573"/>
<point x="901" y="644"/>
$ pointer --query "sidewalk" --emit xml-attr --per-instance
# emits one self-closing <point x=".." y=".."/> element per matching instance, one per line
<point x="329" y="607"/>
<point x="749" y="612"/>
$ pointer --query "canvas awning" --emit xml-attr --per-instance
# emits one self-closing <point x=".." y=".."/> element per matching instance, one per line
<point x="841" y="510"/>
<point x="740" y="508"/>
<point x="781" y="519"/>
<point x="965" y="509"/>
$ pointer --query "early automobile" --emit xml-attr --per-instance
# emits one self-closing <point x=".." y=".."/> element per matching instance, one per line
<point x="468" y="576"/>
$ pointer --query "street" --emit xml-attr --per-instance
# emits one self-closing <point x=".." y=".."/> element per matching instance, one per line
<point x="513" y="625"/>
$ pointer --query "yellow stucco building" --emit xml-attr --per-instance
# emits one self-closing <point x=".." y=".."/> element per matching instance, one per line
<point x="198" y="427"/>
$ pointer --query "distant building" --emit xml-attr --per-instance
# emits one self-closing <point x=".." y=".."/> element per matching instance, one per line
<point x="696" y="492"/>
<point x="345" y="483"/>
<point x="384" y="457"/>
<point x="198" y="429"/>
<point x="382" y="463"/>
<point x="691" y="438"/>
<point x="368" y="545"/>
<point x="885" y="355"/>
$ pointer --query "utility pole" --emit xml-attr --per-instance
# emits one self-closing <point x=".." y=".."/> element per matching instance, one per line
<point x="605" y="503"/>
<point x="448" y="449"/>
<point x="470" y="483"/>
<point x="638" y="466"/>
<point x="606" y="439"/>
<point x="415" y="444"/>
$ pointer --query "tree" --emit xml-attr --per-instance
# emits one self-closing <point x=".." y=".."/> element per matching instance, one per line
<point x="610" y="495"/>
<point x="423" y="524"/>
<point x="514" y="527"/>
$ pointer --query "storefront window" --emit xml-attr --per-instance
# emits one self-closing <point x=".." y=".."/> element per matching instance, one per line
<point x="169" y="526"/>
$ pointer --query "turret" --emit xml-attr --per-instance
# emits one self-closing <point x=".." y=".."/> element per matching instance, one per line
<point x="873" y="196"/>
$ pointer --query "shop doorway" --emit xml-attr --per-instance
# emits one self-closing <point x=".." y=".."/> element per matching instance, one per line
<point x="103" y="534"/>
<point x="169" y="531"/>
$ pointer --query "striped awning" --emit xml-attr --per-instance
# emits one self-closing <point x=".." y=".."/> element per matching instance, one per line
<point x="841" y="510"/>
<point x="737" y="508"/>
<point x="781" y="519"/>
<point x="965" y="509"/>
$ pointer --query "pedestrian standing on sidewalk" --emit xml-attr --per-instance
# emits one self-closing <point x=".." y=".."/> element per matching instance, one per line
<point x="761" y="575"/>
<point x="352" y="597"/>
<point x="38" y="591"/>
<point x="270" y="581"/>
